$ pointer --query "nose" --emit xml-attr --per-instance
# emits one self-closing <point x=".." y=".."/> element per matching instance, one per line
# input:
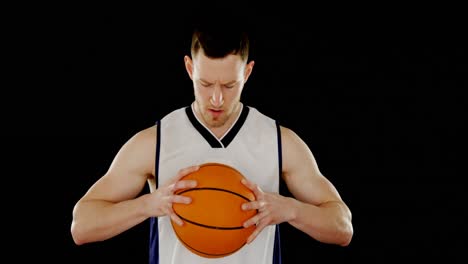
<point x="217" y="97"/>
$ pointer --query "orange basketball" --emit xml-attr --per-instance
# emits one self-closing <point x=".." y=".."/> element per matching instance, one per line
<point x="213" y="221"/>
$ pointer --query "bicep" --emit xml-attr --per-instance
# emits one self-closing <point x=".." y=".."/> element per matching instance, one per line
<point x="129" y="171"/>
<point x="301" y="173"/>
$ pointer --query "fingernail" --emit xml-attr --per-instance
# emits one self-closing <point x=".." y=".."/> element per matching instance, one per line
<point x="243" y="181"/>
<point x="244" y="207"/>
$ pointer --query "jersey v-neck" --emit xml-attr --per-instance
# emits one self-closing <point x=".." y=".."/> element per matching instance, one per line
<point x="230" y="134"/>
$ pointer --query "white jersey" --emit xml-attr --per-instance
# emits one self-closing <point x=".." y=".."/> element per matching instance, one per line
<point x="252" y="145"/>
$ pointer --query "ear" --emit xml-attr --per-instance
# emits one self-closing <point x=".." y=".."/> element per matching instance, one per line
<point x="189" y="66"/>
<point x="248" y="70"/>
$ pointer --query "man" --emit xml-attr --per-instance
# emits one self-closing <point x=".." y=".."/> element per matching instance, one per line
<point x="216" y="127"/>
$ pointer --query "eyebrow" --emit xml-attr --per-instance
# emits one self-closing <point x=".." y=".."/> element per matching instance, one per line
<point x="228" y="83"/>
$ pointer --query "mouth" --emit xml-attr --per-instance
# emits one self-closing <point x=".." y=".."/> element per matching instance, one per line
<point x="215" y="112"/>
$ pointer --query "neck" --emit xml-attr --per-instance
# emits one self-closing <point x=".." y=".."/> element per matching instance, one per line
<point x="220" y="131"/>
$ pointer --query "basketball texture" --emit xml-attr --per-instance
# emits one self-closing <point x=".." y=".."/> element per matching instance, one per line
<point x="213" y="221"/>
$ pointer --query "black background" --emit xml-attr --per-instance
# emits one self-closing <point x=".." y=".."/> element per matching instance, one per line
<point x="376" y="93"/>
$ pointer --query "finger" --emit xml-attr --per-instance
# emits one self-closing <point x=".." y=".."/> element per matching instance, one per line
<point x="248" y="184"/>
<point x="252" y="205"/>
<point x="175" y="217"/>
<point x="254" y="188"/>
<point x="255" y="219"/>
<point x="181" y="199"/>
<point x="185" y="171"/>
<point x="184" y="184"/>
<point x="260" y="227"/>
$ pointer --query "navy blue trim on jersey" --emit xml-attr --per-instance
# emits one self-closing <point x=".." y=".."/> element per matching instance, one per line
<point x="154" y="232"/>
<point x="210" y="138"/>
<point x="214" y="143"/>
<point x="277" y="246"/>
<point x="154" y="241"/>
<point x="280" y="152"/>
<point x="158" y="147"/>
<point x="235" y="129"/>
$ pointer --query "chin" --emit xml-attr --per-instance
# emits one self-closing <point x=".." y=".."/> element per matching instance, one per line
<point x="217" y="122"/>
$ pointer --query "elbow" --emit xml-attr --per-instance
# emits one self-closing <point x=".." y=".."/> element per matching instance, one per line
<point x="346" y="236"/>
<point x="76" y="229"/>
<point x="346" y="230"/>
<point x="80" y="230"/>
<point x="77" y="234"/>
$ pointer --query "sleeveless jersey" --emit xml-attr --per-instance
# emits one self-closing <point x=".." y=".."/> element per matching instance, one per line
<point x="252" y="145"/>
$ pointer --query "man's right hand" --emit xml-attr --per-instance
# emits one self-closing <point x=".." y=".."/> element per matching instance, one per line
<point x="161" y="200"/>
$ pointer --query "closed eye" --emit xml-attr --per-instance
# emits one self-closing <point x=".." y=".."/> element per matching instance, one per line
<point x="230" y="85"/>
<point x="206" y="84"/>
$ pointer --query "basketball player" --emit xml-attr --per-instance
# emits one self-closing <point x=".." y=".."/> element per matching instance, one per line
<point x="216" y="127"/>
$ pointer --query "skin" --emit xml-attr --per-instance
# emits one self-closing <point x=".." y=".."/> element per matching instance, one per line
<point x="111" y="205"/>
<point x="218" y="86"/>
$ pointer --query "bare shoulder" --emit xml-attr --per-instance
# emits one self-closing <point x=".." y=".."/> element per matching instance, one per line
<point x="129" y="170"/>
<point x="147" y="135"/>
<point x="143" y="139"/>
<point x="288" y="135"/>
<point x="296" y="153"/>
<point x="138" y="151"/>
<point x="292" y="143"/>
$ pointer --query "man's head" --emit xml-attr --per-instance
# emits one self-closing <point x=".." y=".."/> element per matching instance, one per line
<point x="216" y="42"/>
<point x="219" y="68"/>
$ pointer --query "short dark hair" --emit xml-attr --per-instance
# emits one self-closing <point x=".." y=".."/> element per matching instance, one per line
<point x="218" y="40"/>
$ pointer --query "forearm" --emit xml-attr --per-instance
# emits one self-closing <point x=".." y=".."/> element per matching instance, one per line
<point x="329" y="223"/>
<point x="97" y="220"/>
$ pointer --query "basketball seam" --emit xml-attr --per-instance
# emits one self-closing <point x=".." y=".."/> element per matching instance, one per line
<point x="212" y="189"/>
<point x="211" y="227"/>
<point x="215" y="189"/>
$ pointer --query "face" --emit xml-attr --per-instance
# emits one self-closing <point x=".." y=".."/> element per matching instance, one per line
<point x="218" y="85"/>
